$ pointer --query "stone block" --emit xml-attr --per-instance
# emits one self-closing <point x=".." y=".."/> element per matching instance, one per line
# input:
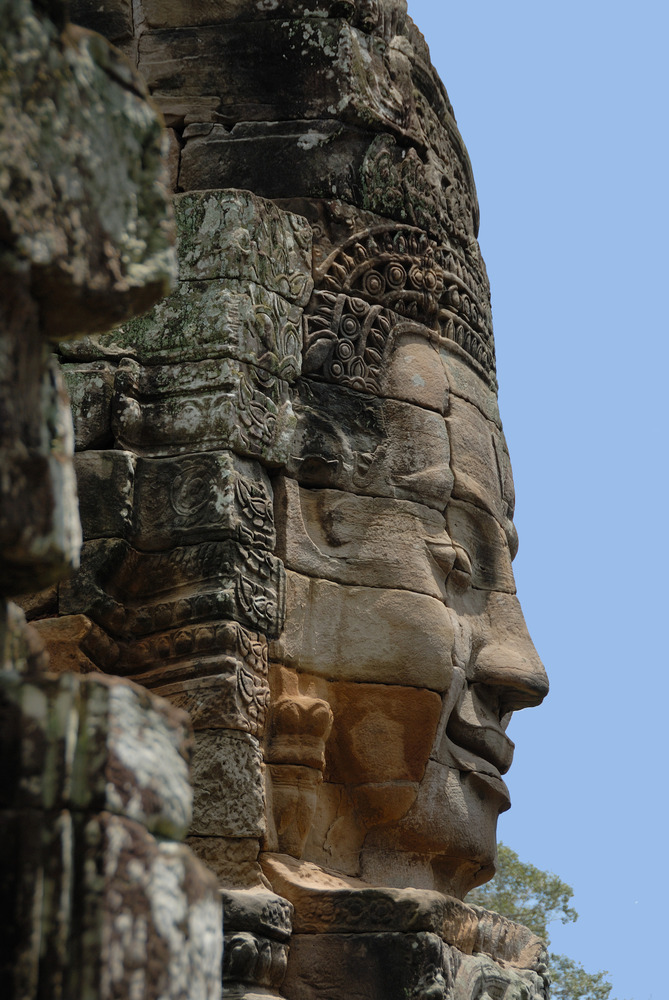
<point x="486" y="545"/>
<point x="173" y="14"/>
<point x="94" y="743"/>
<point x="195" y="651"/>
<point x="201" y="497"/>
<point x="301" y="719"/>
<point x="105" y="484"/>
<point x="234" y="861"/>
<point x="40" y="532"/>
<point x="235" y="234"/>
<point x="417" y="849"/>
<point x="103" y="909"/>
<point x="228" y="780"/>
<point x="320" y="157"/>
<point x="466" y="383"/>
<point x="366" y="634"/>
<point x="344" y="816"/>
<point x="151" y="921"/>
<point x="21" y="649"/>
<point x="213" y="318"/>
<point x="364" y="541"/>
<point x="231" y="700"/>
<point x="234" y="696"/>
<point x="477" y="448"/>
<point x="294" y="798"/>
<point x="259" y="911"/>
<point x="86" y="122"/>
<point x="359" y="443"/>
<point x="37" y="886"/>
<point x="204" y="406"/>
<point x="255" y="961"/>
<point x="138" y="766"/>
<point x="328" y="906"/>
<point x="76" y="644"/>
<point x="91" y="388"/>
<point x="326" y="902"/>
<point x="42" y="604"/>
<point x="326" y="66"/>
<point x="380" y="966"/>
<point x="112" y="18"/>
<point x="478" y="975"/>
<point x="133" y="594"/>
<point x="311" y="158"/>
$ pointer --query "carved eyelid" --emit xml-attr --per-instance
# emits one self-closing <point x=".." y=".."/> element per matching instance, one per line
<point x="463" y="563"/>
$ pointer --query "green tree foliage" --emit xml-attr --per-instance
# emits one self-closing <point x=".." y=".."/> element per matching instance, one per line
<point x="536" y="898"/>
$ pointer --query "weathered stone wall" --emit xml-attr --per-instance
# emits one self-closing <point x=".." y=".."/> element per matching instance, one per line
<point x="98" y="899"/>
<point x="297" y="501"/>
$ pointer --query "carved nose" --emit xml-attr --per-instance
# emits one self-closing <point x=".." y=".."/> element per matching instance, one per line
<point x="508" y="660"/>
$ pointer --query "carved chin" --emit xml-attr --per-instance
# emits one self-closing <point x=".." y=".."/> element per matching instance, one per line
<point x="447" y="840"/>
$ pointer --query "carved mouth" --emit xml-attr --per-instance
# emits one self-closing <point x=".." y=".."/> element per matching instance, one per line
<point x="484" y="757"/>
<point x="473" y="738"/>
<point x="480" y="745"/>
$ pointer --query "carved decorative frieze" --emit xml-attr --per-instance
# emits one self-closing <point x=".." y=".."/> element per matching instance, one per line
<point x="155" y="503"/>
<point x="258" y="926"/>
<point x="385" y="273"/>
<point x="235" y="234"/>
<point x="202" y="496"/>
<point x="133" y="594"/>
<point x="213" y="318"/>
<point x="432" y="193"/>
<point x="177" y="409"/>
<point x="217" y="672"/>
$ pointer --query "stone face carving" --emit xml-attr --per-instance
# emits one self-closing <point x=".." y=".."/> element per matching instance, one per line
<point x="311" y="535"/>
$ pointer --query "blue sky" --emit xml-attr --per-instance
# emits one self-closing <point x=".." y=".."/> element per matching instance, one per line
<point x="563" y="110"/>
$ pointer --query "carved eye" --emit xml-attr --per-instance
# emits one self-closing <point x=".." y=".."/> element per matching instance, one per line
<point x="461" y="574"/>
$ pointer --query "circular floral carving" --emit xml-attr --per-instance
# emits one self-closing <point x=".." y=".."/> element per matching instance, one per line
<point x="430" y="281"/>
<point x="396" y="275"/>
<point x="416" y="276"/>
<point x="373" y="283"/>
<point x="350" y="326"/>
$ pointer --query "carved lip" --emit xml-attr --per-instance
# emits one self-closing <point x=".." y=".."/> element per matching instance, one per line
<point x="478" y="769"/>
<point x="484" y="748"/>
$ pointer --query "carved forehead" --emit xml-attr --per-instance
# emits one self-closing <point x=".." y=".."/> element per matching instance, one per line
<point x="432" y="431"/>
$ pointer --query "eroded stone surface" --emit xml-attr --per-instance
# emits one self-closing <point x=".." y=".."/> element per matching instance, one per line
<point x="228" y="779"/>
<point x="152" y="916"/>
<point x="92" y="229"/>
<point x="93" y="904"/>
<point x="98" y="744"/>
<point x="182" y="409"/>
